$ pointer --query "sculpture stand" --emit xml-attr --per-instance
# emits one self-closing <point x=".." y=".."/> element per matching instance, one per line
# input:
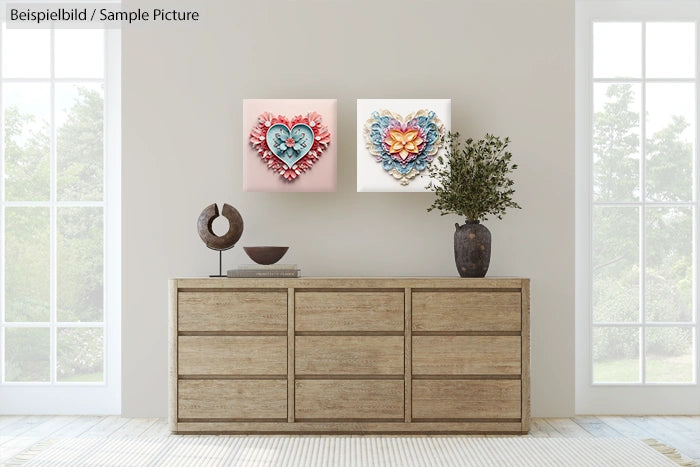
<point x="221" y="272"/>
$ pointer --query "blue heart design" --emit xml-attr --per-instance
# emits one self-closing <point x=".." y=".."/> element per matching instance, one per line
<point x="287" y="145"/>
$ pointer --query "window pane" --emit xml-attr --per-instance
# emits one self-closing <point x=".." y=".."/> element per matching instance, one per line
<point x="616" y="148"/>
<point x="80" y="354"/>
<point x="79" y="53"/>
<point x="670" y="135"/>
<point x="27" y="354"/>
<point x="669" y="267"/>
<point x="617" y="50"/>
<point x="670" y="50"/>
<point x="79" y="145"/>
<point x="669" y="355"/>
<point x="615" y="264"/>
<point x="79" y="264"/>
<point x="615" y="355"/>
<point x="18" y="45"/>
<point x="27" y="244"/>
<point x="26" y="110"/>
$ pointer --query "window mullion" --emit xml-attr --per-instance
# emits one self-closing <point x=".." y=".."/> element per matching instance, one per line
<point x="58" y="324"/>
<point x="633" y="324"/>
<point x="53" y="214"/>
<point x="642" y="211"/>
<point x="106" y="101"/>
<point x="658" y="204"/>
<point x="696" y="230"/>
<point x="62" y="204"/>
<point x="54" y="79"/>
<point x="640" y="80"/>
<point x="590" y="203"/>
<point x="2" y="222"/>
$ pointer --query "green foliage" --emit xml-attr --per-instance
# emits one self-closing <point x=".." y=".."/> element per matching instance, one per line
<point x="616" y="147"/>
<point x="27" y="354"/>
<point x="472" y="178"/>
<point x="616" y="271"/>
<point x="670" y="163"/>
<point x="79" y="149"/>
<point x="27" y="295"/>
<point x="674" y="369"/>
<point x="79" y="354"/>
<point x="79" y="234"/>
<point x="79" y="264"/>
<point x="27" y="149"/>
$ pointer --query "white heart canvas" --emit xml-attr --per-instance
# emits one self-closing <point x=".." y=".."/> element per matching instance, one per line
<point x="397" y="139"/>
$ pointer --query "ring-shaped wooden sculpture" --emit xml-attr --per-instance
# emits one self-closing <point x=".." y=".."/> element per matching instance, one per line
<point x="206" y="233"/>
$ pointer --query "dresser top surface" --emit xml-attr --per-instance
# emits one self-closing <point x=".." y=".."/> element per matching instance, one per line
<point x="354" y="282"/>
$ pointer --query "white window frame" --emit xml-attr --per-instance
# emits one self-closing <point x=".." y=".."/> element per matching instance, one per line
<point x="79" y="398"/>
<point x="624" y="398"/>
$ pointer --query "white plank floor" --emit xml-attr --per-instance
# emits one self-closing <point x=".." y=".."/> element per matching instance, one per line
<point x="17" y="433"/>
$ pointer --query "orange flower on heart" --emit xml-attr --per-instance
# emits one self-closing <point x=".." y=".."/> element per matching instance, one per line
<point x="404" y="143"/>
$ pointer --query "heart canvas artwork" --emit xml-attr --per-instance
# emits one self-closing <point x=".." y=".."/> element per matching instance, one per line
<point x="289" y="145"/>
<point x="396" y="141"/>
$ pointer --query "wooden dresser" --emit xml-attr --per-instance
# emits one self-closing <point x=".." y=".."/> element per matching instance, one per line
<point x="350" y="355"/>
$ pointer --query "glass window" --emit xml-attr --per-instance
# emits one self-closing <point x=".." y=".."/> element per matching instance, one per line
<point x="643" y="202"/>
<point x="53" y="206"/>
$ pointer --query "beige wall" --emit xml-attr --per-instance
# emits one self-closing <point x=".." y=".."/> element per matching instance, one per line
<point x="508" y="67"/>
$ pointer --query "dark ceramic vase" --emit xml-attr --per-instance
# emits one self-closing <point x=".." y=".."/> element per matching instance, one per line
<point x="472" y="249"/>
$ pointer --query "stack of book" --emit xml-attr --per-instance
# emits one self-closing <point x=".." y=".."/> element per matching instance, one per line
<point x="259" y="270"/>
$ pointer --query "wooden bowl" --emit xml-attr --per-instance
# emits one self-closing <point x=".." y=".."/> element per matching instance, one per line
<point x="265" y="254"/>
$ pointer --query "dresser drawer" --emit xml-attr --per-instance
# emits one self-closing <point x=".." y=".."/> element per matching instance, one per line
<point x="232" y="355"/>
<point x="349" y="355"/>
<point x="232" y="399"/>
<point x="466" y="399"/>
<point x="232" y="311"/>
<point x="466" y="355"/>
<point x="466" y="311"/>
<point x="349" y="399"/>
<point x="349" y="311"/>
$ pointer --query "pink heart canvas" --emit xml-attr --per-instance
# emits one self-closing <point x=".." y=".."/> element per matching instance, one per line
<point x="289" y="145"/>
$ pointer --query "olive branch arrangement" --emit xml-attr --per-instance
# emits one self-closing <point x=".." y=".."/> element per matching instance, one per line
<point x="472" y="178"/>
